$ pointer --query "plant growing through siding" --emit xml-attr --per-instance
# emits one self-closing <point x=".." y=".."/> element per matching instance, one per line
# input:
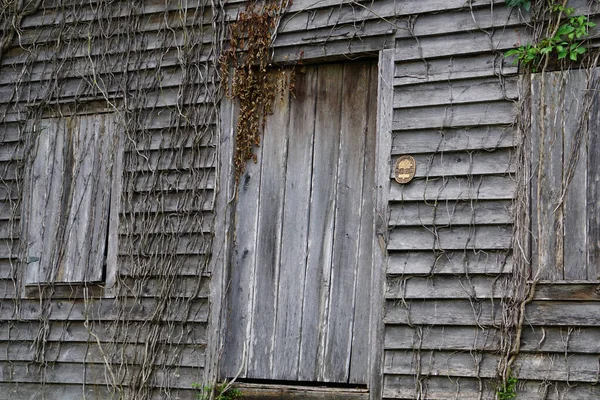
<point x="526" y="4"/>
<point x="221" y="391"/>
<point x="566" y="42"/>
<point x="508" y="390"/>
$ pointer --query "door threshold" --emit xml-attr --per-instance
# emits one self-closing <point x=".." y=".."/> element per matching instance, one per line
<point x="256" y="391"/>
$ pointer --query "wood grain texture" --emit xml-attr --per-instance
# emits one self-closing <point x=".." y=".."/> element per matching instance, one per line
<point x="322" y="220"/>
<point x="359" y="355"/>
<point x="345" y="255"/>
<point x="295" y="227"/>
<point x="268" y="248"/>
<point x="241" y="272"/>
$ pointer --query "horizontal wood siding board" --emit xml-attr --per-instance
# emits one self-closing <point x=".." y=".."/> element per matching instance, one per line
<point x="442" y="363"/>
<point x="563" y="313"/>
<point x="105" y="310"/>
<point x="461" y="163"/>
<point x="76" y="373"/>
<point x="450" y="262"/>
<point x="91" y="353"/>
<point x="443" y="312"/>
<point x="490" y="187"/>
<point x="451" y="213"/>
<point x="440" y="387"/>
<point x="560" y="340"/>
<point x="446" y="287"/>
<point x="452" y="68"/>
<point x="568" y="291"/>
<point x="456" y="92"/>
<point x="443" y="388"/>
<point x="454" y="115"/>
<point x="451" y="238"/>
<point x="451" y="338"/>
<point x="441" y="140"/>
<point x="459" y="44"/>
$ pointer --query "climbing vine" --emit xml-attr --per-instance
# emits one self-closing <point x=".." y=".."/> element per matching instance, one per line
<point x="249" y="57"/>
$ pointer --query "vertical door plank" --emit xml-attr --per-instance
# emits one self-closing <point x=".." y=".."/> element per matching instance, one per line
<point x="359" y="361"/>
<point x="241" y="272"/>
<point x="347" y="224"/>
<point x="322" y="211"/>
<point x="593" y="182"/>
<point x="547" y="146"/>
<point x="270" y="214"/>
<point x="575" y="229"/>
<point x="295" y="228"/>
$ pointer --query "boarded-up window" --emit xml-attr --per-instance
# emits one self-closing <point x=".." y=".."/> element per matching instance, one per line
<point x="67" y="199"/>
<point x="565" y="185"/>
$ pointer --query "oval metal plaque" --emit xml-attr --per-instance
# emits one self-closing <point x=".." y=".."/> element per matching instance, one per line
<point x="405" y="170"/>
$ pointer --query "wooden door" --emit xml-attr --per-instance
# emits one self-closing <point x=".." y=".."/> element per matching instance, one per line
<point x="298" y="289"/>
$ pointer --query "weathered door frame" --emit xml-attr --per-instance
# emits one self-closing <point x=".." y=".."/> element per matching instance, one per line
<point x="225" y="207"/>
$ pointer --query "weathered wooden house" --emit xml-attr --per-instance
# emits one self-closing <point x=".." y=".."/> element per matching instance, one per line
<point x="135" y="265"/>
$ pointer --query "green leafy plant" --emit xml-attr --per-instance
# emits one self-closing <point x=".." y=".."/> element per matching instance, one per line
<point x="526" y="4"/>
<point x="567" y="42"/>
<point x="221" y="391"/>
<point x="508" y="390"/>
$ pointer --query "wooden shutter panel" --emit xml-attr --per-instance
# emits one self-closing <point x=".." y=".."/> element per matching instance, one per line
<point x="69" y="196"/>
<point x="564" y="172"/>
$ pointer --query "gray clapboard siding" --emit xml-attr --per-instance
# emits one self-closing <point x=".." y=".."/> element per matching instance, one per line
<point x="174" y="181"/>
<point x="442" y="388"/>
<point x="461" y="163"/>
<point x="450" y="262"/>
<point x="455" y="188"/>
<point x="563" y="313"/>
<point x="91" y="353"/>
<point x="446" y="287"/>
<point x="451" y="213"/>
<point x="558" y="367"/>
<point x="443" y="312"/>
<point x="458" y="44"/>
<point x="456" y="115"/>
<point x="104" y="310"/>
<point x="193" y="333"/>
<point x="164" y="222"/>
<point x="186" y="265"/>
<point x="439" y="388"/>
<point x="452" y="68"/>
<point x="568" y="339"/>
<point x="455" y="92"/>
<point x="76" y="373"/>
<point x="451" y="338"/>
<point x="466" y="19"/>
<point x="441" y="363"/>
<point x="183" y="201"/>
<point x="164" y="243"/>
<point x="445" y="140"/>
<point x="142" y="42"/>
<point x="169" y="160"/>
<point x="451" y="238"/>
<point x="35" y="391"/>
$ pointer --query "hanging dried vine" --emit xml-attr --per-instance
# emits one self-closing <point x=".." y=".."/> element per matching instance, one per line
<point x="249" y="58"/>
